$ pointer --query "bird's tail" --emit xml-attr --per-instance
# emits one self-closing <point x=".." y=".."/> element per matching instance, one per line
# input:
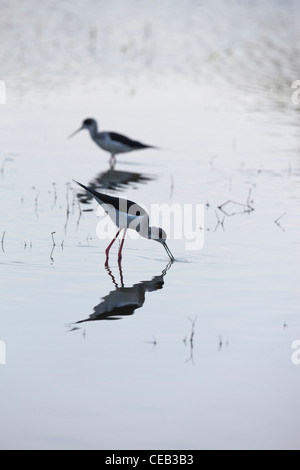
<point x="89" y="190"/>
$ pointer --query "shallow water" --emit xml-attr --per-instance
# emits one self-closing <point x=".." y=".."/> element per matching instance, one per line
<point x="196" y="355"/>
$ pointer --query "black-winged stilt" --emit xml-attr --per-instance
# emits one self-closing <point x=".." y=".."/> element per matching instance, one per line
<point x="128" y="215"/>
<point x="112" y="142"/>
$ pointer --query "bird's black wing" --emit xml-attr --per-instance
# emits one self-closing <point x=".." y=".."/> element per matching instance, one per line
<point x="126" y="141"/>
<point x="111" y="200"/>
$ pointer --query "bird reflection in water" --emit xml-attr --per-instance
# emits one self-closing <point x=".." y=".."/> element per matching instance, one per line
<point x="113" y="180"/>
<point x="123" y="301"/>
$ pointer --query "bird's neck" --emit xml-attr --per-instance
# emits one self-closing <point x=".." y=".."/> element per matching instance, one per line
<point x="93" y="129"/>
<point x="150" y="232"/>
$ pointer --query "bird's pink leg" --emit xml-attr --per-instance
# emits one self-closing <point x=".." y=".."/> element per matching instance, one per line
<point x="112" y="161"/>
<point x="112" y="276"/>
<point x="121" y="273"/>
<point x="109" y="246"/>
<point x="121" y="246"/>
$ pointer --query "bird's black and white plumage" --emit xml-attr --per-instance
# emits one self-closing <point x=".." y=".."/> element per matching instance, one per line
<point x="128" y="215"/>
<point x="112" y="142"/>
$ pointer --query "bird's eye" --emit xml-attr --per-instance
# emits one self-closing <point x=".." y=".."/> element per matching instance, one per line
<point x="87" y="122"/>
<point x="138" y="213"/>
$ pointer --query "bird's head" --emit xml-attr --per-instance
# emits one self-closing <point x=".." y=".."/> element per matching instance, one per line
<point x="89" y="124"/>
<point x="159" y="235"/>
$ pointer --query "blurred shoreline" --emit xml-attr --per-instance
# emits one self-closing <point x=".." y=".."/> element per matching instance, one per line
<point x="238" y="52"/>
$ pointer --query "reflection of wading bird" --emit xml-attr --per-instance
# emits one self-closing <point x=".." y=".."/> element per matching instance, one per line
<point x="111" y="141"/>
<point x="113" y="180"/>
<point x="123" y="301"/>
<point x="128" y="215"/>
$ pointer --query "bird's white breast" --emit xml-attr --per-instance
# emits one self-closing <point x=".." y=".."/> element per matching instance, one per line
<point x="112" y="146"/>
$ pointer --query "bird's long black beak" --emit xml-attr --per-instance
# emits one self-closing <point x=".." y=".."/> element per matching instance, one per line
<point x="73" y="133"/>
<point x="169" y="252"/>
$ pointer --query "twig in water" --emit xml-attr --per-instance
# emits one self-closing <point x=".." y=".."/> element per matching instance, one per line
<point x="172" y="187"/>
<point x="4" y="162"/>
<point x="2" y="168"/>
<point x="75" y="328"/>
<point x="36" y="204"/>
<point x="80" y="214"/>
<point x="277" y="221"/>
<point x="245" y="208"/>
<point x="220" y="222"/>
<point x="73" y="200"/>
<point x="154" y="342"/>
<point x="36" y="200"/>
<point x="53" y="246"/>
<point x="53" y="241"/>
<point x="72" y="328"/>
<point x="249" y="198"/>
<point x="67" y="198"/>
<point x="2" y="241"/>
<point x="191" y="340"/>
<point x="55" y="195"/>
<point x="68" y="208"/>
<point x="3" y="165"/>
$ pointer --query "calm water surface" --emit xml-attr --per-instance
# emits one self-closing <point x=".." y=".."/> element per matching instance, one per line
<point x="196" y="355"/>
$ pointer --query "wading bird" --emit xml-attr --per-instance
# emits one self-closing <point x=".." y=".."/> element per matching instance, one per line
<point x="128" y="215"/>
<point x="110" y="141"/>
